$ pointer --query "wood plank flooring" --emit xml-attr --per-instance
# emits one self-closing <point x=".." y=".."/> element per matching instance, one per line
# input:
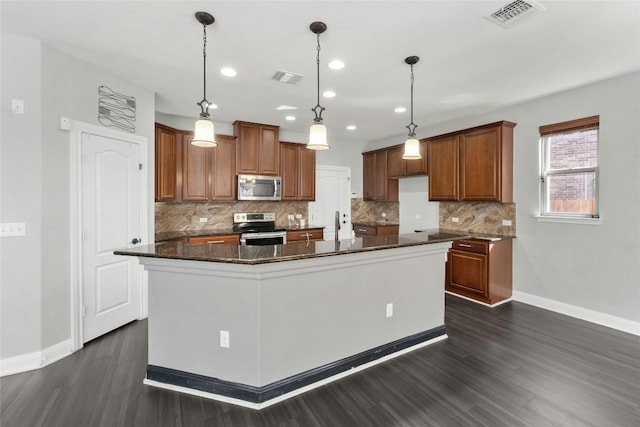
<point x="513" y="365"/>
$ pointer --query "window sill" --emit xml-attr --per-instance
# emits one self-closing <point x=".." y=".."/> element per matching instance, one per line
<point x="568" y="220"/>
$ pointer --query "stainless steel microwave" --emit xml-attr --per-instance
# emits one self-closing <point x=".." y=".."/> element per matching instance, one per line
<point x="258" y="187"/>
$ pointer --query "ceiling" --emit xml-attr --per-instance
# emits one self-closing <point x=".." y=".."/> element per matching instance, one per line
<point x="468" y="64"/>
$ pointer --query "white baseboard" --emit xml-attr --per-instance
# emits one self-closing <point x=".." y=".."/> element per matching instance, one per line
<point x="603" y="319"/>
<point x="35" y="360"/>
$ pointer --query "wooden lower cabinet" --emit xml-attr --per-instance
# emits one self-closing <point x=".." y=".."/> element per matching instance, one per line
<point x="480" y="269"/>
<point x="375" y="230"/>
<point x="215" y="239"/>
<point x="307" y="235"/>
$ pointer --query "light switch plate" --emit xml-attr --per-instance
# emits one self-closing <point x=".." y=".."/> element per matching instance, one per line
<point x="11" y="229"/>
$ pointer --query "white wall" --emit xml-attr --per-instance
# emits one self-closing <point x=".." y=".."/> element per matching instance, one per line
<point x="592" y="267"/>
<point x="35" y="184"/>
<point x="416" y="211"/>
<point x="20" y="198"/>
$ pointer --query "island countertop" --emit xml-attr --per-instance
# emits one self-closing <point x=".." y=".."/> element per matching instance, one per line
<point x="239" y="254"/>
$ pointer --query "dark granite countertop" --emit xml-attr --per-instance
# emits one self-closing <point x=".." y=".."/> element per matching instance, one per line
<point x="175" y="235"/>
<point x="375" y="223"/>
<point x="238" y="254"/>
<point x="473" y="235"/>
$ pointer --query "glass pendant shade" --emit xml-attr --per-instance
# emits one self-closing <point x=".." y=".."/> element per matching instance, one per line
<point x="411" y="149"/>
<point x="204" y="134"/>
<point x="318" y="137"/>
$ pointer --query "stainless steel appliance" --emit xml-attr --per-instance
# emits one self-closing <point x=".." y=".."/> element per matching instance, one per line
<point x="258" y="229"/>
<point x="259" y="187"/>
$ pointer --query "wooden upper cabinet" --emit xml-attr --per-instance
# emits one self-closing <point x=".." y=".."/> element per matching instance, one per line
<point x="168" y="155"/>
<point x="417" y="166"/>
<point x="397" y="167"/>
<point x="472" y="165"/>
<point x="258" y="148"/>
<point x="298" y="171"/>
<point x="209" y="173"/>
<point x="395" y="163"/>
<point x="442" y="158"/>
<point x="376" y="183"/>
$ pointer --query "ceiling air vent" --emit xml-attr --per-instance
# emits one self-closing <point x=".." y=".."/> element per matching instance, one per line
<point x="287" y="77"/>
<point x="514" y="12"/>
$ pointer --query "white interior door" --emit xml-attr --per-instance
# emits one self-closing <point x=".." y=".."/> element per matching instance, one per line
<point x="333" y="193"/>
<point x="111" y="219"/>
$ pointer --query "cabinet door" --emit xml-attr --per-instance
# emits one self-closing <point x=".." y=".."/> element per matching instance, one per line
<point x="269" y="150"/>
<point x="417" y="166"/>
<point x="196" y="166"/>
<point x="247" y="155"/>
<point x="167" y="156"/>
<point x="467" y="273"/>
<point x="368" y="176"/>
<point x="380" y="175"/>
<point x="442" y="161"/>
<point x="395" y="163"/>
<point x="307" y="174"/>
<point x="289" y="171"/>
<point x="480" y="160"/>
<point x="223" y="173"/>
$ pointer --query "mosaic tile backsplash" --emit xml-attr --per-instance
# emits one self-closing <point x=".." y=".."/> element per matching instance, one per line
<point x="479" y="217"/>
<point x="186" y="216"/>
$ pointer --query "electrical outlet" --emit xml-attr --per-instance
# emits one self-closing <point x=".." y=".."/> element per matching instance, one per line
<point x="390" y="309"/>
<point x="506" y="223"/>
<point x="290" y="217"/>
<point x="455" y="219"/>
<point x="204" y="219"/>
<point x="224" y="339"/>
<point x="298" y="216"/>
<point x="384" y="214"/>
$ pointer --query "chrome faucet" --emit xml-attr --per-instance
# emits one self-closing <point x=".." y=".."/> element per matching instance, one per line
<point x="337" y="224"/>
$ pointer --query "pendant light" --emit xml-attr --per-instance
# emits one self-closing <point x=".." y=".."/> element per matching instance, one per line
<point x="204" y="132"/>
<point x="411" y="145"/>
<point x="318" y="131"/>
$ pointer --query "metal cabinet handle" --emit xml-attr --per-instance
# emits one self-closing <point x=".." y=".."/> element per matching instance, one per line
<point x="362" y="230"/>
<point x="463" y="245"/>
<point x="209" y="242"/>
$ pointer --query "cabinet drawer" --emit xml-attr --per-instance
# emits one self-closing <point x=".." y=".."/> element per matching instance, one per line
<point x="226" y="238"/>
<point x="305" y="235"/>
<point x="365" y="230"/>
<point x="475" y="246"/>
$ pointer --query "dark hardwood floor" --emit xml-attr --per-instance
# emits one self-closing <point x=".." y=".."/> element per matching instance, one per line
<point x="513" y="365"/>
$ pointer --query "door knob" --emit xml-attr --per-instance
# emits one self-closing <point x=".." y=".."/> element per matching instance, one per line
<point x="136" y="240"/>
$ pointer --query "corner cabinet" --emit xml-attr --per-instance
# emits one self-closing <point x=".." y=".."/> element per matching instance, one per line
<point x="480" y="270"/>
<point x="208" y="174"/>
<point x="475" y="164"/>
<point x="168" y="159"/>
<point x="397" y="167"/>
<point x="258" y="148"/>
<point x="298" y="171"/>
<point x="376" y="183"/>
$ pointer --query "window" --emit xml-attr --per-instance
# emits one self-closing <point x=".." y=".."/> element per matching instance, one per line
<point x="569" y="169"/>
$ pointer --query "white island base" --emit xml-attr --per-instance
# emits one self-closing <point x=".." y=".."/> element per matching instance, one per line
<point x="292" y="325"/>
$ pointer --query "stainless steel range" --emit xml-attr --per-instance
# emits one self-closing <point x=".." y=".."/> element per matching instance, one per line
<point x="258" y="229"/>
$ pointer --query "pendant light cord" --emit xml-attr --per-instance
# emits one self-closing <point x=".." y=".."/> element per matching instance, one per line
<point x="318" y="118"/>
<point x="412" y="126"/>
<point x="204" y="104"/>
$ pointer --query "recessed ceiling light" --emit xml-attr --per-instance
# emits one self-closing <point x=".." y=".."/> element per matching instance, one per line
<point x="400" y="110"/>
<point x="351" y="127"/>
<point x="228" y="71"/>
<point x="286" y="107"/>
<point x="329" y="94"/>
<point x="290" y="118"/>
<point x="336" y="64"/>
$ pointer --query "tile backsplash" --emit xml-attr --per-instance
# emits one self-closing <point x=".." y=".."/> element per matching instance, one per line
<point x="479" y="217"/>
<point x="186" y="216"/>
<point x="366" y="211"/>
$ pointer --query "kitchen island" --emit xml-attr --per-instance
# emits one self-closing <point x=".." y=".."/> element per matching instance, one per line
<point x="254" y="325"/>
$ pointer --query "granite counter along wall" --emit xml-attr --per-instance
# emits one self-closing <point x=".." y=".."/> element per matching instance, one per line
<point x="479" y="217"/>
<point x="186" y="216"/>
